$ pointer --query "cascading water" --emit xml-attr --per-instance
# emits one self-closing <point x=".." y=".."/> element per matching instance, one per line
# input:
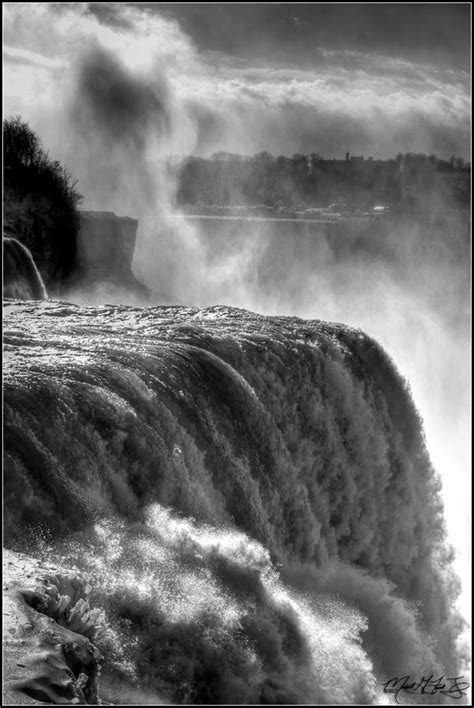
<point x="250" y="496"/>
<point x="21" y="277"/>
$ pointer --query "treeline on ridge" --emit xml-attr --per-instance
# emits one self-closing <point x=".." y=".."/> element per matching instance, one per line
<point x="412" y="182"/>
<point x="40" y="202"/>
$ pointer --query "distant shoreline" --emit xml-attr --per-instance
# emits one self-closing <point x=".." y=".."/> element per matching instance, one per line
<point x="228" y="217"/>
<point x="342" y="219"/>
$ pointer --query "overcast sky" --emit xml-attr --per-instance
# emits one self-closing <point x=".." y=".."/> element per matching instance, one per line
<point x="371" y="79"/>
<point x="293" y="34"/>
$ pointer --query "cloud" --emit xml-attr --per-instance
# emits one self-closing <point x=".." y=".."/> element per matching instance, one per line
<point x="24" y="56"/>
<point x="120" y="104"/>
<point x="285" y="110"/>
<point x="345" y="99"/>
<point x="376" y="92"/>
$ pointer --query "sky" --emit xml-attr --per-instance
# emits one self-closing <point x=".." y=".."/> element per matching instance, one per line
<point x="372" y="79"/>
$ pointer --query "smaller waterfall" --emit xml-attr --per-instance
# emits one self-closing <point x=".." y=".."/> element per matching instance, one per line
<point x="21" y="277"/>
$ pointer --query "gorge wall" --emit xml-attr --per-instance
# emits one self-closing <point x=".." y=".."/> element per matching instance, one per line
<point x="105" y="245"/>
<point x="103" y="263"/>
<point x="101" y="270"/>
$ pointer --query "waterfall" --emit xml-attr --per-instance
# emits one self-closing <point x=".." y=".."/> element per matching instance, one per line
<point x="21" y="277"/>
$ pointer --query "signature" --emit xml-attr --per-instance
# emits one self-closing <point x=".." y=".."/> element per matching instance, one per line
<point x="452" y="687"/>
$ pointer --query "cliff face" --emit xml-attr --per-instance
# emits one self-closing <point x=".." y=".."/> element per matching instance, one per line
<point x="105" y="245"/>
<point x="101" y="270"/>
<point x="103" y="263"/>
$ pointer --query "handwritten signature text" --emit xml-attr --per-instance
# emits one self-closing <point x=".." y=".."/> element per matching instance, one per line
<point x="453" y="687"/>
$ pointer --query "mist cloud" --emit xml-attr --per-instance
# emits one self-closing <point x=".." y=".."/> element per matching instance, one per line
<point x="379" y="103"/>
<point x="122" y="106"/>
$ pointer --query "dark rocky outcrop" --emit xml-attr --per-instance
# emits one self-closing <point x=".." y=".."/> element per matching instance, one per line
<point x="102" y="267"/>
<point x="105" y="246"/>
<point x="103" y="264"/>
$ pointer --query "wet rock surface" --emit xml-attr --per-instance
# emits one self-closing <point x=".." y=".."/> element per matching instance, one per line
<point x="45" y="662"/>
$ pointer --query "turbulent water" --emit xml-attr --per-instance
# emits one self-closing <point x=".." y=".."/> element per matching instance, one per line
<point x="251" y="497"/>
